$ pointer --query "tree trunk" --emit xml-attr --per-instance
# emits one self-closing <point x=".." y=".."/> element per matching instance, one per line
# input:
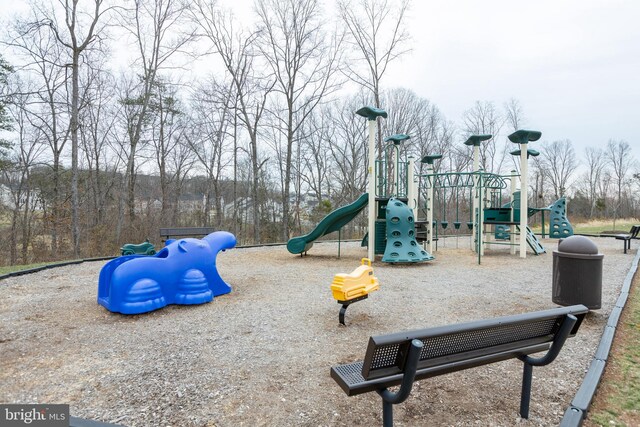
<point x="287" y="176"/>
<point x="26" y="227"/>
<point x="55" y="209"/>
<point x="131" y="183"/>
<point x="254" y="189"/>
<point x="13" y="237"/>
<point x="235" y="171"/>
<point x="75" y="94"/>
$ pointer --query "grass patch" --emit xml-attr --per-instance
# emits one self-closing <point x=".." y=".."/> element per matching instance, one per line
<point x="591" y="228"/>
<point x="594" y="227"/>
<point x="617" y="402"/>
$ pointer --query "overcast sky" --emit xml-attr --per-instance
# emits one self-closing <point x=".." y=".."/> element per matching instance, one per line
<point x="574" y="65"/>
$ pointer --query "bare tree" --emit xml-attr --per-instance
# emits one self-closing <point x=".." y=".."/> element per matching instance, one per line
<point x="559" y="162"/>
<point x="213" y="113"/>
<point x="236" y="49"/>
<point x="378" y="37"/>
<point x="514" y="114"/>
<point x="44" y="60"/>
<point x="406" y="111"/>
<point x="484" y="118"/>
<point x="318" y="133"/>
<point x="80" y="32"/>
<point x="304" y="59"/>
<point x="26" y="153"/>
<point x="167" y="125"/>
<point x="420" y="119"/>
<point x="515" y="120"/>
<point x="180" y="163"/>
<point x="5" y="120"/>
<point x="157" y="26"/>
<point x="595" y="164"/>
<point x="348" y="150"/>
<point x="98" y="117"/>
<point x="618" y="155"/>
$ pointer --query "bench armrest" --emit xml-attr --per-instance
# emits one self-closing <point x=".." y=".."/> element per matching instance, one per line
<point x="558" y="341"/>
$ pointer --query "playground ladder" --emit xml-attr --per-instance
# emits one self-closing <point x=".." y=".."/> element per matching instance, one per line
<point x="533" y="242"/>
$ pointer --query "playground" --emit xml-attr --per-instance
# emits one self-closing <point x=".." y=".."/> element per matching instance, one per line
<point x="183" y="336"/>
<point x="261" y="354"/>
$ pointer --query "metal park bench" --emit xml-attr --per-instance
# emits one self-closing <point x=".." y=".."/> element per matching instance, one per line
<point x="626" y="238"/>
<point x="402" y="358"/>
<point x="168" y="233"/>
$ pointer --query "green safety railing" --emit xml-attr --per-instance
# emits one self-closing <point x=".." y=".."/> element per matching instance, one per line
<point x="386" y="187"/>
<point x="464" y="179"/>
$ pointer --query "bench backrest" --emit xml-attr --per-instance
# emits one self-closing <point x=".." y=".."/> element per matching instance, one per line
<point x="186" y="231"/>
<point x="483" y="341"/>
<point x="634" y="231"/>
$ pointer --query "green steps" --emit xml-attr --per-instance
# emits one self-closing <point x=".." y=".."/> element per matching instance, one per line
<point x="533" y="242"/>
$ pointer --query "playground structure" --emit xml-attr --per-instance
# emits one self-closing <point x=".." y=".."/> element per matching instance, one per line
<point x="354" y="287"/>
<point x="183" y="272"/>
<point x="401" y="244"/>
<point x="144" y="248"/>
<point x="485" y="207"/>
<point x="330" y="223"/>
<point x="490" y="220"/>
<point x="393" y="223"/>
<point x="559" y="225"/>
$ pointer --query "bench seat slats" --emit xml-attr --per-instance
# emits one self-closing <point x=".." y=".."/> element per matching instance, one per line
<point x="350" y="379"/>
<point x="453" y="357"/>
<point x="386" y="353"/>
<point x="477" y="325"/>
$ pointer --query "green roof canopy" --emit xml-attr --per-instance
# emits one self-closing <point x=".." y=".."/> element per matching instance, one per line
<point x="371" y="113"/>
<point x="429" y="159"/>
<point x="530" y="153"/>
<point x="397" y="138"/>
<point x="475" y="140"/>
<point x="523" y="136"/>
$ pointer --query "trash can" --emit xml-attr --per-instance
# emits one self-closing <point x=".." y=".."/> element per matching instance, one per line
<point x="577" y="273"/>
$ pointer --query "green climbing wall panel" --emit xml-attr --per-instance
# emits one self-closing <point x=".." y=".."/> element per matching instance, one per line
<point x="402" y="246"/>
<point x="559" y="225"/>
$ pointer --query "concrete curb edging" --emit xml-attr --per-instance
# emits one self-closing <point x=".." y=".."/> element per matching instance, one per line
<point x="46" y="267"/>
<point x="104" y="258"/>
<point x="577" y="411"/>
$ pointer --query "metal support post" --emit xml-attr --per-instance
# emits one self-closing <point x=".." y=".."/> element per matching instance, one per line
<point x="412" y="199"/>
<point x="476" y="201"/>
<point x="480" y="222"/>
<point x="389" y="398"/>
<point x="430" y="209"/>
<point x="512" y="228"/>
<point x="525" y="397"/>
<point x="524" y="208"/>
<point x="529" y="362"/>
<point x="372" y="192"/>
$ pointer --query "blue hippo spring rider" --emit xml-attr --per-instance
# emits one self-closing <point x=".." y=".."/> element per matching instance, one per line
<point x="183" y="272"/>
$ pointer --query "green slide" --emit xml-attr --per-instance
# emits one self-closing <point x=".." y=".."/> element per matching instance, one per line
<point x="330" y="223"/>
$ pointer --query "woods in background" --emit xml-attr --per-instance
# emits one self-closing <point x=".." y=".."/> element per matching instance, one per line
<point x="117" y="119"/>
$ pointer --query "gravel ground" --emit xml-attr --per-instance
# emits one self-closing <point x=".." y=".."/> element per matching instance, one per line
<point x="260" y="356"/>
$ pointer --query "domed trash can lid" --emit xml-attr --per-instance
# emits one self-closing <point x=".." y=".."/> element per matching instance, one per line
<point x="579" y="246"/>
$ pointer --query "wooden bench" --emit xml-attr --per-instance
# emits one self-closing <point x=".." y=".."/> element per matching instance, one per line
<point x="626" y="238"/>
<point x="402" y="358"/>
<point x="168" y="233"/>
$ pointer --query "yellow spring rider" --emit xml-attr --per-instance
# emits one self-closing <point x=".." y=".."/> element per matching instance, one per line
<point x="354" y="287"/>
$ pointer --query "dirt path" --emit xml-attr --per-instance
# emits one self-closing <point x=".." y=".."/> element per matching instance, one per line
<point x="260" y="356"/>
